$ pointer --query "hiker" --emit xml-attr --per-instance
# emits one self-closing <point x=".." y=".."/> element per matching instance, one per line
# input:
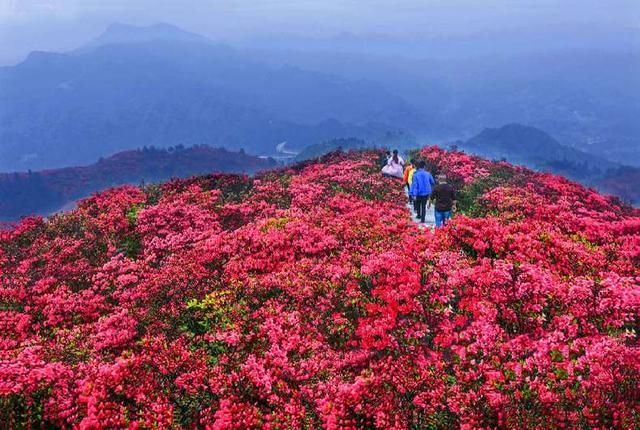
<point x="397" y="157"/>
<point x="420" y="190"/>
<point x="407" y="168"/>
<point x="384" y="159"/>
<point x="394" y="166"/>
<point x="410" y="181"/>
<point x="444" y="197"/>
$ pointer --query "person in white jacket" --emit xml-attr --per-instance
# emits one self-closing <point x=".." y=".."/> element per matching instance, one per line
<point x="395" y="166"/>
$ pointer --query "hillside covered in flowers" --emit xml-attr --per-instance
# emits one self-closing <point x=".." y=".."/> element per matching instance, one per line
<point x="306" y="298"/>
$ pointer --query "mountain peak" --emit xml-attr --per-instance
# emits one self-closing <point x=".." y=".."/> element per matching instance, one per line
<point x="120" y="33"/>
<point x="516" y="128"/>
<point x="160" y="28"/>
<point x="514" y="134"/>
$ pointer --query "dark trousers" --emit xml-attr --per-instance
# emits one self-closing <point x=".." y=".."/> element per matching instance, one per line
<point x="421" y="207"/>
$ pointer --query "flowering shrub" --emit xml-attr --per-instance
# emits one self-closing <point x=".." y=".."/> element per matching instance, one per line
<point x="306" y="298"/>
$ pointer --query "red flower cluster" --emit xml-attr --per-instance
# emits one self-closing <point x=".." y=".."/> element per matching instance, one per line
<point x="306" y="298"/>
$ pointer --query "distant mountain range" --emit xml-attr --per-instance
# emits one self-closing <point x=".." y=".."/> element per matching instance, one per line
<point x="47" y="191"/>
<point x="520" y="144"/>
<point x="586" y="98"/>
<point x="162" y="86"/>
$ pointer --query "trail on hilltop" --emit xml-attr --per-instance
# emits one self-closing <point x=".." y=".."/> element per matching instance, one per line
<point x="305" y="298"/>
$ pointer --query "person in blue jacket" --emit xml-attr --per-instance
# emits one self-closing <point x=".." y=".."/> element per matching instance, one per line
<point x="421" y="185"/>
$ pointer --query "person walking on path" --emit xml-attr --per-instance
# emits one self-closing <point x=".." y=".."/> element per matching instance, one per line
<point x="444" y="197"/>
<point x="409" y="182"/>
<point x="394" y="166"/>
<point x="407" y="168"/>
<point x="421" y="189"/>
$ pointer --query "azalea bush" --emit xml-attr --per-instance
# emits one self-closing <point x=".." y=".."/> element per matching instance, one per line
<point x="306" y="298"/>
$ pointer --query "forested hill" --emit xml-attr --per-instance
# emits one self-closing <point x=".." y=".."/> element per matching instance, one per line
<point x="533" y="147"/>
<point x="46" y="191"/>
<point x="306" y="298"/>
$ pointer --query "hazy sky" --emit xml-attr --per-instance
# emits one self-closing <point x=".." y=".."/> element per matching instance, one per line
<point x="27" y="25"/>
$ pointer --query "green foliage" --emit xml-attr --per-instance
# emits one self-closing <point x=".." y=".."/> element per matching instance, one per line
<point x="469" y="196"/>
<point x="556" y="355"/>
<point x="132" y="214"/>
<point x="439" y="420"/>
<point x="216" y="311"/>
<point x="153" y="193"/>
<point x="18" y="413"/>
<point x="276" y="224"/>
<point x="189" y="405"/>
<point x="236" y="192"/>
<point x="212" y="310"/>
<point x="130" y="246"/>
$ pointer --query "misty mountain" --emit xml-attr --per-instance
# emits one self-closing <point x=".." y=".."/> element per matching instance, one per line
<point x="520" y="144"/>
<point x="587" y="98"/>
<point x="119" y="33"/>
<point x="507" y="41"/>
<point x="160" y="86"/>
<point x="47" y="191"/>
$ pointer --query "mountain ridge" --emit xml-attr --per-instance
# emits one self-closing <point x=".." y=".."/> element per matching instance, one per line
<point x="522" y="144"/>
<point x="77" y="107"/>
<point x="47" y="191"/>
<point x="121" y="33"/>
